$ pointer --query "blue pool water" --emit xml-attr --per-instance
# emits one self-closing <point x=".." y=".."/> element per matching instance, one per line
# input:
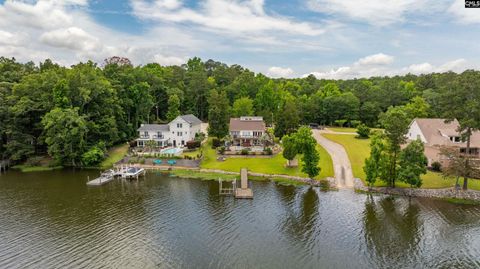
<point x="172" y="151"/>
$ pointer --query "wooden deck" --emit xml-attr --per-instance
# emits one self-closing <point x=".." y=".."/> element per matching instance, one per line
<point x="244" y="193"/>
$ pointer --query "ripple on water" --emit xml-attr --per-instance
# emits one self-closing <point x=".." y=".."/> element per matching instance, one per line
<point x="52" y="220"/>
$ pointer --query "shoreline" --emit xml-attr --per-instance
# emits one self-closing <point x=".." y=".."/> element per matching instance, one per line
<point x="449" y="194"/>
<point x="214" y="174"/>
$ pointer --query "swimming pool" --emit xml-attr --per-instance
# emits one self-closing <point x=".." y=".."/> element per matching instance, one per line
<point x="173" y="151"/>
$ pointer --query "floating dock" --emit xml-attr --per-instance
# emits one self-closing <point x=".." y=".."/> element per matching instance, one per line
<point x="123" y="172"/>
<point x="244" y="192"/>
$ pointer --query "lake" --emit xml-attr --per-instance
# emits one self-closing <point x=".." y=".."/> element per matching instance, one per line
<point x="53" y="220"/>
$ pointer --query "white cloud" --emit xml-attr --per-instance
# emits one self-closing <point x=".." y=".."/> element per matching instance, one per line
<point x="376" y="59"/>
<point x="464" y="15"/>
<point x="71" y="38"/>
<point x="375" y="12"/>
<point x="231" y="16"/>
<point x="374" y="65"/>
<point x="280" y="72"/>
<point x="422" y="68"/>
<point x="169" y="60"/>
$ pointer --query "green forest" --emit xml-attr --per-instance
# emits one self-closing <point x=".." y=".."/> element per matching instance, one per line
<point x="75" y="113"/>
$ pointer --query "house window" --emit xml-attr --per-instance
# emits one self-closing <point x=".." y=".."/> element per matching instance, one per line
<point x="159" y="135"/>
<point x="257" y="134"/>
<point x="183" y="142"/>
<point x="179" y="125"/>
<point x="179" y="133"/>
<point x="145" y="134"/>
<point x="140" y="143"/>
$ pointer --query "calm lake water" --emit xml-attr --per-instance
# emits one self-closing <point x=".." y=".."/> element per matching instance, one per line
<point x="53" y="220"/>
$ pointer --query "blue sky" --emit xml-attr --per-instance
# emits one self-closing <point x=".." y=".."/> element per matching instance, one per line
<point x="281" y="38"/>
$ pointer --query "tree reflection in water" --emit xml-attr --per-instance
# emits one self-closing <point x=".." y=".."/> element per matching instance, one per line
<point x="392" y="229"/>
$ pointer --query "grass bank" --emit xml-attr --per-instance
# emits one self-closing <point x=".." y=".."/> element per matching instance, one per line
<point x="33" y="168"/>
<point x="272" y="165"/>
<point x="359" y="149"/>
<point x="114" y="155"/>
<point x="195" y="174"/>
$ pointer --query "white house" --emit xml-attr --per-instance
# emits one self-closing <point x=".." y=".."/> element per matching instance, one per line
<point x="176" y="133"/>
<point x="438" y="133"/>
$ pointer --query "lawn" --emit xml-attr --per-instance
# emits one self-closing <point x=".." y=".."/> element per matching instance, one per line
<point x="29" y="168"/>
<point x="114" y="155"/>
<point x="194" y="154"/>
<point x="273" y="165"/>
<point x="359" y="149"/>
<point x="183" y="173"/>
<point x="349" y="130"/>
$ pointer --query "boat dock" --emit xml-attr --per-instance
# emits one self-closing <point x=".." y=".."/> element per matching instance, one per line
<point x="244" y="192"/>
<point x="121" y="172"/>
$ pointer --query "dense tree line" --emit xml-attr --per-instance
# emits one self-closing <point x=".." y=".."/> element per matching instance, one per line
<point x="74" y="112"/>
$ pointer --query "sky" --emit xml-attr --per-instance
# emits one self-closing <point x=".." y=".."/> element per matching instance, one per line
<point x="334" y="39"/>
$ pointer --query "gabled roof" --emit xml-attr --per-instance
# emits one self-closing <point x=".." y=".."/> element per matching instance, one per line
<point x="154" y="127"/>
<point x="190" y="118"/>
<point x="237" y="124"/>
<point x="438" y="131"/>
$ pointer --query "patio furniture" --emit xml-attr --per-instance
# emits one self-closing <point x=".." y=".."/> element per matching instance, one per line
<point x="172" y="162"/>
<point x="157" y="162"/>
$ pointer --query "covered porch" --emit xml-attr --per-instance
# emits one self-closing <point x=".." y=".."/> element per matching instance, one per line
<point x="160" y="143"/>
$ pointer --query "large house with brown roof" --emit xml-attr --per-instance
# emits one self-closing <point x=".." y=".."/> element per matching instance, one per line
<point x="247" y="131"/>
<point x="437" y="133"/>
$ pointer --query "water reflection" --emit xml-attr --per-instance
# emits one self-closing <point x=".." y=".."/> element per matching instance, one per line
<point x="53" y="220"/>
<point x="300" y="221"/>
<point x="392" y="228"/>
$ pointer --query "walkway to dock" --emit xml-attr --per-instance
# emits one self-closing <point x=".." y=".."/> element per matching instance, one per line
<point x="244" y="192"/>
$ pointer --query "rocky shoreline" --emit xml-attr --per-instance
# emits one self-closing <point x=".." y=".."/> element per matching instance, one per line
<point x="447" y="193"/>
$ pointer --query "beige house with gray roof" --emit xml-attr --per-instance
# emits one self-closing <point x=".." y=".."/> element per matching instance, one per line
<point x="247" y="131"/>
<point x="437" y="133"/>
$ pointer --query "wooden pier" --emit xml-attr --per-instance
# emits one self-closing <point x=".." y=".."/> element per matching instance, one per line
<point x="244" y="192"/>
<point x="122" y="172"/>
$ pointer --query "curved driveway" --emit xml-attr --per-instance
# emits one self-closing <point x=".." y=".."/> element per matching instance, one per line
<point x="341" y="163"/>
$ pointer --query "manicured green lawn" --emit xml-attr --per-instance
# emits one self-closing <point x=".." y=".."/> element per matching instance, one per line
<point x="115" y="154"/>
<point x="349" y="130"/>
<point x="273" y="165"/>
<point x="359" y="149"/>
<point x="342" y="129"/>
<point x="193" y="154"/>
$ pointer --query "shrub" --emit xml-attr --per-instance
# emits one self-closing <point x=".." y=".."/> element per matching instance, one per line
<point x="268" y="151"/>
<point x="355" y="123"/>
<point x="363" y="131"/>
<point x="34" y="161"/>
<point x="193" y="144"/>
<point x="221" y="150"/>
<point x="199" y="137"/>
<point x="93" y="156"/>
<point x="340" y="123"/>
<point x="244" y="152"/>
<point x="216" y="143"/>
<point x="437" y="166"/>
